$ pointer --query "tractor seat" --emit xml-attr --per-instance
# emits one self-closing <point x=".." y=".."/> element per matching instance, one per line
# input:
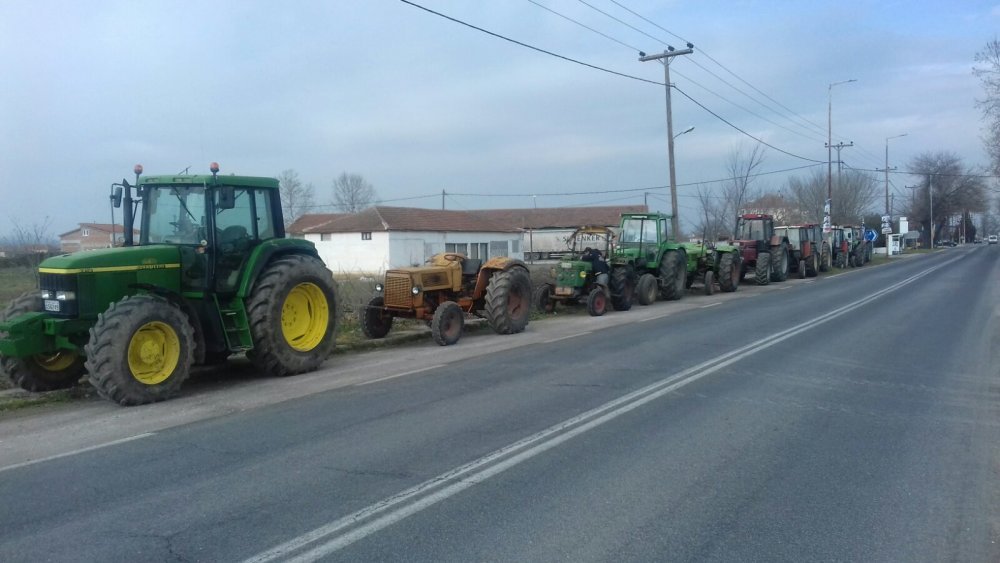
<point x="470" y="266"/>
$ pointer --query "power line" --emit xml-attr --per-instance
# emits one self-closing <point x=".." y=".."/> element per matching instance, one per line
<point x="601" y="33"/>
<point x="532" y="47"/>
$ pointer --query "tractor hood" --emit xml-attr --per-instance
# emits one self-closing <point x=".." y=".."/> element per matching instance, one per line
<point x="131" y="258"/>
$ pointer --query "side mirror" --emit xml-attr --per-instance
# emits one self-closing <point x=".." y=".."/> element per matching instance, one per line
<point x="227" y="197"/>
<point x="116" y="196"/>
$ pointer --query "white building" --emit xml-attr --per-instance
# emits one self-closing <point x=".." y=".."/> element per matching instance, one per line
<point x="380" y="238"/>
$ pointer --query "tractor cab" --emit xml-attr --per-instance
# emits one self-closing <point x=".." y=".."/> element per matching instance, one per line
<point x="641" y="237"/>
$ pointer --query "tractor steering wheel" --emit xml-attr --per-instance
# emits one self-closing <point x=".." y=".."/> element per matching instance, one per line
<point x="453" y="257"/>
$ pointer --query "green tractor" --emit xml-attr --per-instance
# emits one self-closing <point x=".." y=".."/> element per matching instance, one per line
<point x="665" y="267"/>
<point x="211" y="275"/>
<point x="584" y="276"/>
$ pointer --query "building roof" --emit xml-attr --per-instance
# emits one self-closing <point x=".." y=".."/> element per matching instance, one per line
<point x="104" y="227"/>
<point x="559" y="217"/>
<point x="382" y="218"/>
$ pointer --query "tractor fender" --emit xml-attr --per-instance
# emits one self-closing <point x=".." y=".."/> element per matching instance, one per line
<point x="264" y="254"/>
<point x="496" y="264"/>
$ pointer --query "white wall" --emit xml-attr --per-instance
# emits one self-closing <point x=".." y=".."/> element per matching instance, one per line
<point x="347" y="252"/>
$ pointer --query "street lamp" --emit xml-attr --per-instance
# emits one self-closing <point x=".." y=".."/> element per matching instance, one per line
<point x="665" y="58"/>
<point x="828" y="220"/>
<point x="688" y="130"/>
<point x="888" y="211"/>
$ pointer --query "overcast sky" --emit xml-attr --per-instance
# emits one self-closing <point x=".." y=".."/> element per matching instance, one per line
<point x="418" y="104"/>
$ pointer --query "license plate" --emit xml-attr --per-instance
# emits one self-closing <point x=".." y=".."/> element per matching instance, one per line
<point x="564" y="291"/>
<point x="52" y="305"/>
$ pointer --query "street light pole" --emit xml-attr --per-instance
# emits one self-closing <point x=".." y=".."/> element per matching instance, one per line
<point x="828" y="220"/>
<point x="888" y="209"/>
<point x="665" y="58"/>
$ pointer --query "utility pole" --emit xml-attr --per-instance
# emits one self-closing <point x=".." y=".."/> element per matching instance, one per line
<point x="930" y="196"/>
<point x="839" y="147"/>
<point x="442" y="200"/>
<point x="664" y="59"/>
<point x="828" y="220"/>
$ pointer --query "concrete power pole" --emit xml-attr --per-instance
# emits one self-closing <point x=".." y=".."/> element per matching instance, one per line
<point x="665" y="58"/>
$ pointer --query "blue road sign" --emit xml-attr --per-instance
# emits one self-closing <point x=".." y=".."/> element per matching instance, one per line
<point x="871" y="235"/>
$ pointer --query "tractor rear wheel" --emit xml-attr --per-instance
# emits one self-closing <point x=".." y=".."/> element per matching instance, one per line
<point x="622" y="288"/>
<point x="542" y="300"/>
<point x="824" y="260"/>
<point x="762" y="270"/>
<point x="709" y="282"/>
<point x="44" y="372"/>
<point x="293" y="316"/>
<point x="673" y="276"/>
<point x="375" y="321"/>
<point x="446" y="326"/>
<point x="779" y="264"/>
<point x="646" y="288"/>
<point x="140" y="350"/>
<point x="730" y="272"/>
<point x="597" y="302"/>
<point x="508" y="304"/>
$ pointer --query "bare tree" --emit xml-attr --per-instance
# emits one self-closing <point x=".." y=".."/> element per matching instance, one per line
<point x="853" y="196"/>
<point x="296" y="197"/>
<point x="742" y="165"/>
<point x="956" y="190"/>
<point x="989" y="74"/>
<point x="352" y="193"/>
<point x="712" y="223"/>
<point x="30" y="242"/>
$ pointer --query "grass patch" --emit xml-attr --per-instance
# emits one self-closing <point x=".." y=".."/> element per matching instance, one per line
<point x="14" y="281"/>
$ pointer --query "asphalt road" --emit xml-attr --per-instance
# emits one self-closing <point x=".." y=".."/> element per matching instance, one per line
<point x="856" y="418"/>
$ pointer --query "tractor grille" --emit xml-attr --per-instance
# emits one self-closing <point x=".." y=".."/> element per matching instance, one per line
<point x="397" y="291"/>
<point x="57" y="282"/>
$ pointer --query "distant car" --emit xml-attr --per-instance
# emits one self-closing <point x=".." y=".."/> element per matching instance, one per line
<point x="947" y="243"/>
<point x="992" y="239"/>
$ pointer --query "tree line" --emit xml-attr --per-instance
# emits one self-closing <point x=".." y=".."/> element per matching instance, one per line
<point x="349" y="193"/>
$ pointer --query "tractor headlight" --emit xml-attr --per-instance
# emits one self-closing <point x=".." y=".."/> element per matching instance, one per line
<point x="65" y="295"/>
<point x="47" y="294"/>
<point x="583" y="273"/>
<point x="379" y="288"/>
<point x="415" y="290"/>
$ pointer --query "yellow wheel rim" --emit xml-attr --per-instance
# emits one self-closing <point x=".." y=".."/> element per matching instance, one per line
<point x="305" y="317"/>
<point x="153" y="353"/>
<point x="59" y="361"/>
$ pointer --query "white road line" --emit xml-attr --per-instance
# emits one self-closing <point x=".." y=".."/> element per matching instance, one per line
<point x="79" y="451"/>
<point x="653" y="318"/>
<point x="404" y="374"/>
<point x="835" y="275"/>
<point x="566" y="337"/>
<point x="371" y="519"/>
<point x="710" y="305"/>
<point x="784" y="287"/>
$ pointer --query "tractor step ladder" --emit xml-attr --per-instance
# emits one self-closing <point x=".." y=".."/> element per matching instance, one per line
<point x="235" y="324"/>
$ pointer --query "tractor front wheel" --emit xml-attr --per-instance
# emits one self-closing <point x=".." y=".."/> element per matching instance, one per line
<point x="140" y="350"/>
<point x="508" y="303"/>
<point x="673" y="275"/>
<point x="646" y="288"/>
<point x="811" y="266"/>
<point x="597" y="302"/>
<point x="709" y="282"/>
<point x="446" y="326"/>
<point x="802" y="269"/>
<point x="622" y="289"/>
<point x="375" y="321"/>
<point x="825" y="261"/>
<point x="44" y="372"/>
<point x="762" y="270"/>
<point x="293" y="316"/>
<point x="730" y="272"/>
<point x="542" y="300"/>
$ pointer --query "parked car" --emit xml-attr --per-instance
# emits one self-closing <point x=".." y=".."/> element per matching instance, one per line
<point x="992" y="239"/>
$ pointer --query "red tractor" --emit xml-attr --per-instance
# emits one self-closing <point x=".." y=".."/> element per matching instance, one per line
<point x="765" y="253"/>
<point x="804" y="246"/>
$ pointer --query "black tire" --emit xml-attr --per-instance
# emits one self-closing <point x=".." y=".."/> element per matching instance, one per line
<point x="730" y="272"/>
<point x="44" y="372"/>
<point x="376" y="322"/>
<point x="542" y="299"/>
<point x="597" y="302"/>
<point x="140" y="350"/>
<point x="622" y="288"/>
<point x="779" y="264"/>
<point x="841" y="260"/>
<point x="825" y="261"/>
<point x="762" y="269"/>
<point x="811" y="266"/>
<point x="507" y="301"/>
<point x="802" y="269"/>
<point x="447" y="324"/>
<point x="646" y="289"/>
<point x="293" y="316"/>
<point x="673" y="276"/>
<point x="709" y="282"/>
